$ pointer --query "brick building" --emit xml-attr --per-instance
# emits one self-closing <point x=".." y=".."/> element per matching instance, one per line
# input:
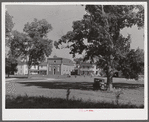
<point x="53" y="66"/>
<point x="59" y="66"/>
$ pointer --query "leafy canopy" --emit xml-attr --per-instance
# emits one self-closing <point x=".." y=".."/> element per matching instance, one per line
<point x="32" y="45"/>
<point x="37" y="28"/>
<point x="98" y="34"/>
<point x="38" y="45"/>
<point x="8" y="31"/>
<point x="133" y="65"/>
<point x="8" y="24"/>
<point x="11" y="65"/>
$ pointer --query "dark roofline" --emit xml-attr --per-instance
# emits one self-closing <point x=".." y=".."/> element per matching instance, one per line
<point x="54" y="58"/>
<point x="43" y="64"/>
<point x="59" y="58"/>
<point x="68" y="64"/>
<point x="63" y="59"/>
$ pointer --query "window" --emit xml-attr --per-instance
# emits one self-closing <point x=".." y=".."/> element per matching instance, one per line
<point x="58" y="69"/>
<point x="54" y="61"/>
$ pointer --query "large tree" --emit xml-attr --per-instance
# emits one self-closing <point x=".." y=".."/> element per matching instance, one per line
<point x="78" y="60"/>
<point x="98" y="34"/>
<point x="33" y="45"/>
<point x="10" y="60"/>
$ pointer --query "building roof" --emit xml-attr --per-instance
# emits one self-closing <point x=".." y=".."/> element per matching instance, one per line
<point x="65" y="61"/>
<point x="43" y="64"/>
<point x="87" y="64"/>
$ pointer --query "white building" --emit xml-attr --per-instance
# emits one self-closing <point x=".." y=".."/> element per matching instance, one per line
<point x="22" y="68"/>
<point x="43" y="68"/>
<point x="34" y="70"/>
<point x="88" y="69"/>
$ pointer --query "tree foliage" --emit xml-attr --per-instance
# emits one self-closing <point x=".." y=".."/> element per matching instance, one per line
<point x="98" y="34"/>
<point x="8" y="31"/>
<point x="133" y="64"/>
<point x="37" y="28"/>
<point x="8" y="24"/>
<point x="38" y="46"/>
<point x="78" y="60"/>
<point x="17" y="44"/>
<point x="11" y="65"/>
<point x="10" y="60"/>
<point x="32" y="45"/>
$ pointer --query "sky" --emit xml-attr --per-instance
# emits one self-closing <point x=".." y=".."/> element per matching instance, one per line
<point x="61" y="18"/>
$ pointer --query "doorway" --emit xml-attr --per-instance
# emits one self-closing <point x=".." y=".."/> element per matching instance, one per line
<point x="54" y="71"/>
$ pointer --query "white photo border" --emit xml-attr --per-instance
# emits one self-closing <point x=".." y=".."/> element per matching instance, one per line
<point x="75" y="114"/>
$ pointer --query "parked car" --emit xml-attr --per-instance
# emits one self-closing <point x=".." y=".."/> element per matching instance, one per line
<point x="100" y="83"/>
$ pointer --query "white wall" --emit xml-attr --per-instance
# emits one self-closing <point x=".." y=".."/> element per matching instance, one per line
<point x="34" y="67"/>
<point x="25" y="69"/>
<point x="94" y="69"/>
<point x="66" y="69"/>
<point x="89" y="68"/>
<point x="42" y="67"/>
<point x="22" y="70"/>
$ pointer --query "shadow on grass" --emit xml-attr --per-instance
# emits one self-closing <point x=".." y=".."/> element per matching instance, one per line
<point x="43" y="102"/>
<point x="76" y="85"/>
<point x="17" y="76"/>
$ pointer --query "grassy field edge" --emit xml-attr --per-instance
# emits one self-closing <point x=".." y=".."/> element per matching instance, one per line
<point x="45" y="102"/>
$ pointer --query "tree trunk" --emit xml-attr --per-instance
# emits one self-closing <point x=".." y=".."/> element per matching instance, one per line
<point x="38" y="68"/>
<point x="110" y="73"/>
<point x="110" y="82"/>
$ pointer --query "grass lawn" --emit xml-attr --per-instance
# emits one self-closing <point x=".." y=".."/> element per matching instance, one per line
<point x="43" y="102"/>
<point x="81" y="88"/>
<point x="79" y="82"/>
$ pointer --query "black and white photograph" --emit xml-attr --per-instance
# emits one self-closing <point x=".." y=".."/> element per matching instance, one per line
<point x="74" y="61"/>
